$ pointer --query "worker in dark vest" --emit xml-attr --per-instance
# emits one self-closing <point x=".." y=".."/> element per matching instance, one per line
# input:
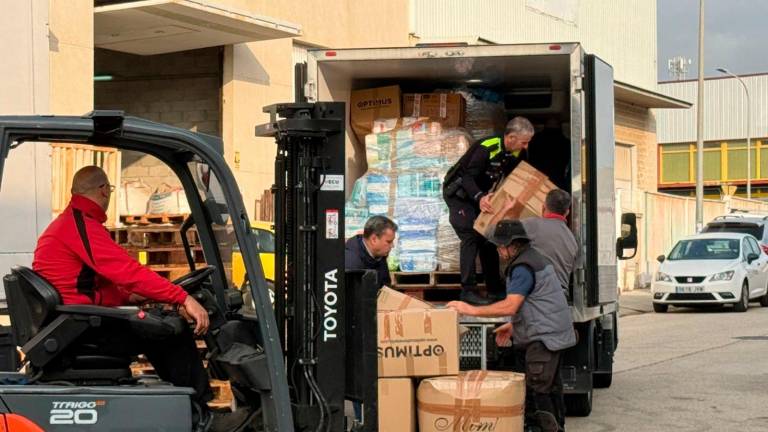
<point x="468" y="188"/>
<point x="541" y="325"/>
<point x="369" y="251"/>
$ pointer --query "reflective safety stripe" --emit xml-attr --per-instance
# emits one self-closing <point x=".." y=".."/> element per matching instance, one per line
<point x="493" y="145"/>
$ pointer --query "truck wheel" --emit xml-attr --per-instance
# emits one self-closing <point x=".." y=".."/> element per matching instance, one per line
<point x="660" y="308"/>
<point x="578" y="405"/>
<point x="602" y="379"/>
<point x="743" y="303"/>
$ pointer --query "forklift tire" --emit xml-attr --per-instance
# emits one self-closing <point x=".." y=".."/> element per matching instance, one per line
<point x="660" y="308"/>
<point x="602" y="379"/>
<point x="579" y="404"/>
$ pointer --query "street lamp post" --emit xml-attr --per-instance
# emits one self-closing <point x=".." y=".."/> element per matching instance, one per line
<point x="749" y="133"/>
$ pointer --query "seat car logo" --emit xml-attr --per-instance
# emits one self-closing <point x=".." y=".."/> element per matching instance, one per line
<point x="690" y="280"/>
<point x="75" y="412"/>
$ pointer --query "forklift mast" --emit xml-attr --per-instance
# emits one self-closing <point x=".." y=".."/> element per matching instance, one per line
<point x="311" y="300"/>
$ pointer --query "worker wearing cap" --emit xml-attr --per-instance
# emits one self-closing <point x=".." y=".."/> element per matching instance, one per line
<point x="468" y="188"/>
<point x="541" y="325"/>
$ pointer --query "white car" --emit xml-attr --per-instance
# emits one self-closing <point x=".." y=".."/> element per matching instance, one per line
<point x="711" y="269"/>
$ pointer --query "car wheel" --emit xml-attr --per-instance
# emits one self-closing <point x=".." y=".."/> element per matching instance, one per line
<point x="764" y="299"/>
<point x="743" y="303"/>
<point x="660" y="308"/>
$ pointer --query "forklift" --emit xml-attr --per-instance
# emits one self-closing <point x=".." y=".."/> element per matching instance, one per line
<point x="293" y="365"/>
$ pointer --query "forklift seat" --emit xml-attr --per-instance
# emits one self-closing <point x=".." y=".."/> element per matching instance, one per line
<point x="50" y="333"/>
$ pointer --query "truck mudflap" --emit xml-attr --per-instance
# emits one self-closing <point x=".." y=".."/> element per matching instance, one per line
<point x="577" y="369"/>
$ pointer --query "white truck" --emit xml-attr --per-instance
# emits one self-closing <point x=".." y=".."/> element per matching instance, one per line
<point x="542" y="82"/>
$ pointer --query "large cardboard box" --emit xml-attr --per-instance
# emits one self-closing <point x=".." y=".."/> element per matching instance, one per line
<point x="472" y="401"/>
<point x="446" y="108"/>
<point x="370" y="104"/>
<point x="391" y="300"/>
<point x="397" y="405"/>
<point x="418" y="343"/>
<point x="527" y="187"/>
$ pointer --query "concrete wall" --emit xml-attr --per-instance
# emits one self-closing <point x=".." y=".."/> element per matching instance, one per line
<point x="51" y="44"/>
<point x="182" y="89"/>
<point x="621" y="32"/>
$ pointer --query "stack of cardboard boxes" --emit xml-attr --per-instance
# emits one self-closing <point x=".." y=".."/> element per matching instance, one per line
<point x="417" y="341"/>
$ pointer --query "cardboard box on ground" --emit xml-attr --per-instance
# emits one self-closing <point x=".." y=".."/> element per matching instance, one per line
<point x="527" y="186"/>
<point x="472" y="401"/>
<point x="420" y="341"/>
<point x="397" y="405"/>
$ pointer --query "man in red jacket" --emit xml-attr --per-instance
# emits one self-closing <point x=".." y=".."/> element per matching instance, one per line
<point x="79" y="258"/>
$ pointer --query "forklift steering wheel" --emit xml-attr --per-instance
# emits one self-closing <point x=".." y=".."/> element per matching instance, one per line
<point x="194" y="278"/>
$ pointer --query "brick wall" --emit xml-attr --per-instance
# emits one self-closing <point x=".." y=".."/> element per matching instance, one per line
<point x="181" y="89"/>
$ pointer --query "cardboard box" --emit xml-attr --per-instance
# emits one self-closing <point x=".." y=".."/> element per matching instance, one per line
<point x="397" y="405"/>
<point x="446" y="108"/>
<point x="391" y="300"/>
<point x="472" y="401"/>
<point x="418" y="343"/>
<point x="527" y="186"/>
<point x="370" y="104"/>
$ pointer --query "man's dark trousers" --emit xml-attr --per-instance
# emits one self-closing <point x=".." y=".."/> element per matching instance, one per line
<point x="462" y="218"/>
<point x="544" y="386"/>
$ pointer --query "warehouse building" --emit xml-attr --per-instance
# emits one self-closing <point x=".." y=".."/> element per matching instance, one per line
<point x="725" y="137"/>
<point x="212" y="65"/>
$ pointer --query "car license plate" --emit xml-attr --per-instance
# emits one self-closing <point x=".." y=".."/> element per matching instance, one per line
<point x="689" y="289"/>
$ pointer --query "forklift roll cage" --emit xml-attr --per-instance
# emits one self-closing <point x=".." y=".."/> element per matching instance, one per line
<point x="177" y="147"/>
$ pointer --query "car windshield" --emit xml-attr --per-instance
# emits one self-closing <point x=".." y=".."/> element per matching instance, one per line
<point x="705" y="249"/>
<point x="739" y="228"/>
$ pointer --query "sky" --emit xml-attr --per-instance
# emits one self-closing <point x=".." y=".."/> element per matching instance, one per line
<point x="735" y="35"/>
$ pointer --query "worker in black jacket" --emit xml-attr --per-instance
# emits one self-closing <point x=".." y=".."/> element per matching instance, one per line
<point x="467" y="189"/>
<point x="369" y="251"/>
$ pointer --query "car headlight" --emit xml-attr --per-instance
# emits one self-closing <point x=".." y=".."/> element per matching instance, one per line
<point x="663" y="277"/>
<point x="722" y="276"/>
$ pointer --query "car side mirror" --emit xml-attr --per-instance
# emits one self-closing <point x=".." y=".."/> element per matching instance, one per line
<point x="661" y="258"/>
<point x="628" y="239"/>
<point x="751" y="257"/>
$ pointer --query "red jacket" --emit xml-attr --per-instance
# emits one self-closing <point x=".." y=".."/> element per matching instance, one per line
<point x="92" y="268"/>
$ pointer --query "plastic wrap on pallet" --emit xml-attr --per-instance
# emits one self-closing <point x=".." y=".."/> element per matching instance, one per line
<point x="418" y="184"/>
<point x="357" y="198"/>
<point x="447" y="245"/>
<point x="377" y="193"/>
<point x="354" y="219"/>
<point x="418" y="262"/>
<point x="419" y="209"/>
<point x="485" y="113"/>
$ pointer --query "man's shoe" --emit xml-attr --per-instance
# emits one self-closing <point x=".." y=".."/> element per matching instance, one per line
<point x="547" y="421"/>
<point x="474" y="298"/>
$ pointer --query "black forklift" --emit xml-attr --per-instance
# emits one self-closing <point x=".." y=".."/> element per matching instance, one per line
<point x="294" y="366"/>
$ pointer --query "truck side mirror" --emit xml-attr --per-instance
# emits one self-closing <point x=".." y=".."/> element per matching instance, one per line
<point x="628" y="239"/>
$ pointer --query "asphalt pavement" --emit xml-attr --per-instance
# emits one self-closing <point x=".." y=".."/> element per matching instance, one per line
<point x="685" y="370"/>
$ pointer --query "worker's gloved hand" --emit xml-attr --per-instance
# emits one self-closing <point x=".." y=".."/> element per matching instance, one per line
<point x="485" y="203"/>
<point x="503" y="335"/>
<point x="197" y="313"/>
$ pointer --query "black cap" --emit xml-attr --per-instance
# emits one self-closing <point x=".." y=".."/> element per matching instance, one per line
<point x="508" y="230"/>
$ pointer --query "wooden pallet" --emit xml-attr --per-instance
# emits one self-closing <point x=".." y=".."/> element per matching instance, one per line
<point x="148" y="219"/>
<point x="435" y="279"/>
<point x="165" y="255"/>
<point x="151" y="236"/>
<point x="222" y="395"/>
